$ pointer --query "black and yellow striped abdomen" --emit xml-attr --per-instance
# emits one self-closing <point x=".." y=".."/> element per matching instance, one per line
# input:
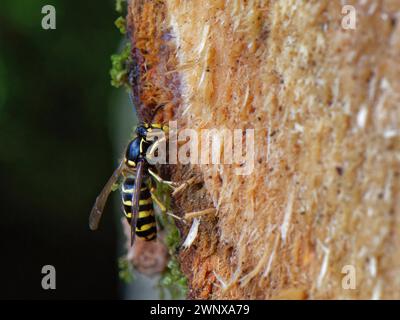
<point x="146" y="223"/>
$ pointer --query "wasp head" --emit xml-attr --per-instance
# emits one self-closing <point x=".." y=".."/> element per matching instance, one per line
<point x="142" y="129"/>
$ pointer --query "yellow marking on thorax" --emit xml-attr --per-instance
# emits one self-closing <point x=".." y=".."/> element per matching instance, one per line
<point x="127" y="202"/>
<point x="160" y="126"/>
<point x="131" y="163"/>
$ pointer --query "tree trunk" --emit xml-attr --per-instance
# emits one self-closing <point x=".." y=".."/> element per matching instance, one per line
<point x="319" y="216"/>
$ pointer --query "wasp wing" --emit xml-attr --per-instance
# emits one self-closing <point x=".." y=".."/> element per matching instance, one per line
<point x="136" y="198"/>
<point x="98" y="207"/>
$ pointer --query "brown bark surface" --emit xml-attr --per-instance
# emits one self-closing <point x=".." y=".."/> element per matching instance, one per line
<point x="325" y="106"/>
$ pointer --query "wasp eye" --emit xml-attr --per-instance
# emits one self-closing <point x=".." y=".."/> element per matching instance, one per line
<point x="141" y="131"/>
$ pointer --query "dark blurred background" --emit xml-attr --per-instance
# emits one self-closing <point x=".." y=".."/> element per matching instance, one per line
<point x="56" y="151"/>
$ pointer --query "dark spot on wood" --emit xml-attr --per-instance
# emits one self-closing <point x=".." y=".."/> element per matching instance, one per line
<point x="393" y="21"/>
<point x="370" y="76"/>
<point x="339" y="171"/>
<point x="273" y="133"/>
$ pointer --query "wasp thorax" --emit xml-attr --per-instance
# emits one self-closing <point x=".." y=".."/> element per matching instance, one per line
<point x="133" y="152"/>
<point x="136" y="151"/>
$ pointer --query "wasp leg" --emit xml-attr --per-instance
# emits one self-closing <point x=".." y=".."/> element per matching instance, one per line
<point x="171" y="184"/>
<point x="195" y="214"/>
<point x="162" y="207"/>
<point x="186" y="184"/>
<point x="157" y="201"/>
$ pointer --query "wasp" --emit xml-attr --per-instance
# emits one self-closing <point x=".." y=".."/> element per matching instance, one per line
<point x="137" y="189"/>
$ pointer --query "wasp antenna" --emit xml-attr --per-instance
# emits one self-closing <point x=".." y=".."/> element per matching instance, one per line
<point x="156" y="110"/>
